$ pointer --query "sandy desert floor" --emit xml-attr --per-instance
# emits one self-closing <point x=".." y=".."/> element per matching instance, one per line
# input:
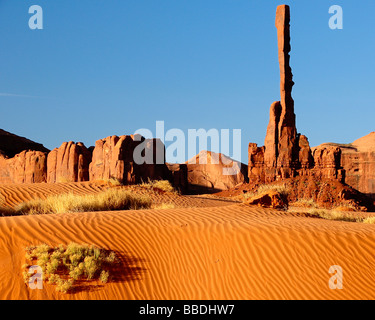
<point x="204" y="248"/>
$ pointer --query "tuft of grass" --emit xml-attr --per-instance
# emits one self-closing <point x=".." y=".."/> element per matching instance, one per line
<point x="346" y="207"/>
<point x="164" y="206"/>
<point x="109" y="200"/>
<point x="333" y="215"/>
<point x="282" y="189"/>
<point x="114" y="182"/>
<point x="369" y="220"/>
<point x="104" y="275"/>
<point x="64" y="285"/>
<point x="306" y="203"/>
<point x="63" y="266"/>
<point x="163" y="185"/>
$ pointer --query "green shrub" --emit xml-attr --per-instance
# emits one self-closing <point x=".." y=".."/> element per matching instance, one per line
<point x="63" y="266"/>
<point x="104" y="275"/>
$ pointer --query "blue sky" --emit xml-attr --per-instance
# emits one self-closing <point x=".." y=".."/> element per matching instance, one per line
<point x="100" y="68"/>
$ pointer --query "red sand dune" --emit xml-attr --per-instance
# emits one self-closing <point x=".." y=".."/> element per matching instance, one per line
<point x="232" y="251"/>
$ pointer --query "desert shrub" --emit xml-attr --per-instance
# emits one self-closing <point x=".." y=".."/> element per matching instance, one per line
<point x="306" y="203"/>
<point x="104" y="275"/>
<point x="111" y="199"/>
<point x="164" y="206"/>
<point x="346" y="207"/>
<point x="64" y="285"/>
<point x="63" y="266"/>
<point x="163" y="185"/>
<point x="282" y="189"/>
<point x="369" y="220"/>
<point x="333" y="215"/>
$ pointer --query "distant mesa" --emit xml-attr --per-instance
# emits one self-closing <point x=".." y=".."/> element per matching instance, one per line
<point x="206" y="172"/>
<point x="11" y="144"/>
<point x="358" y="161"/>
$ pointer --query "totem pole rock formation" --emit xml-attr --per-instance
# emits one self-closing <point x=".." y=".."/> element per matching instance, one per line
<point x="286" y="153"/>
<point x="286" y="130"/>
<point x="281" y="138"/>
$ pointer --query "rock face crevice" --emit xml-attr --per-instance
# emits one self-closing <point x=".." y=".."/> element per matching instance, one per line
<point x="68" y="163"/>
<point x="113" y="157"/>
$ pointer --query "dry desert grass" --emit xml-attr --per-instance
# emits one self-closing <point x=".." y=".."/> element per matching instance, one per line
<point x="161" y="185"/>
<point x="282" y="189"/>
<point x="109" y="200"/>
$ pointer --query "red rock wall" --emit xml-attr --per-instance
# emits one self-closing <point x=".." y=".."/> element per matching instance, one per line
<point x="210" y="172"/>
<point x="360" y="171"/>
<point x="25" y="167"/>
<point x="68" y="163"/>
<point x="113" y="158"/>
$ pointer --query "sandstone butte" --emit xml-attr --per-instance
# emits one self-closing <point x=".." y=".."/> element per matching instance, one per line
<point x="285" y="154"/>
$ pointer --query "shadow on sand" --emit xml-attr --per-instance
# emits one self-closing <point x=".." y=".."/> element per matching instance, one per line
<point x="126" y="268"/>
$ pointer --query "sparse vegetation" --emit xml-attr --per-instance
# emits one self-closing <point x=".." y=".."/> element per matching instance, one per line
<point x="163" y="185"/>
<point x="333" y="215"/>
<point x="282" y="189"/>
<point x="114" y="182"/>
<point x="346" y="207"/>
<point x="63" y="266"/>
<point x="369" y="220"/>
<point x="109" y="200"/>
<point x="164" y="206"/>
<point x="306" y="203"/>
